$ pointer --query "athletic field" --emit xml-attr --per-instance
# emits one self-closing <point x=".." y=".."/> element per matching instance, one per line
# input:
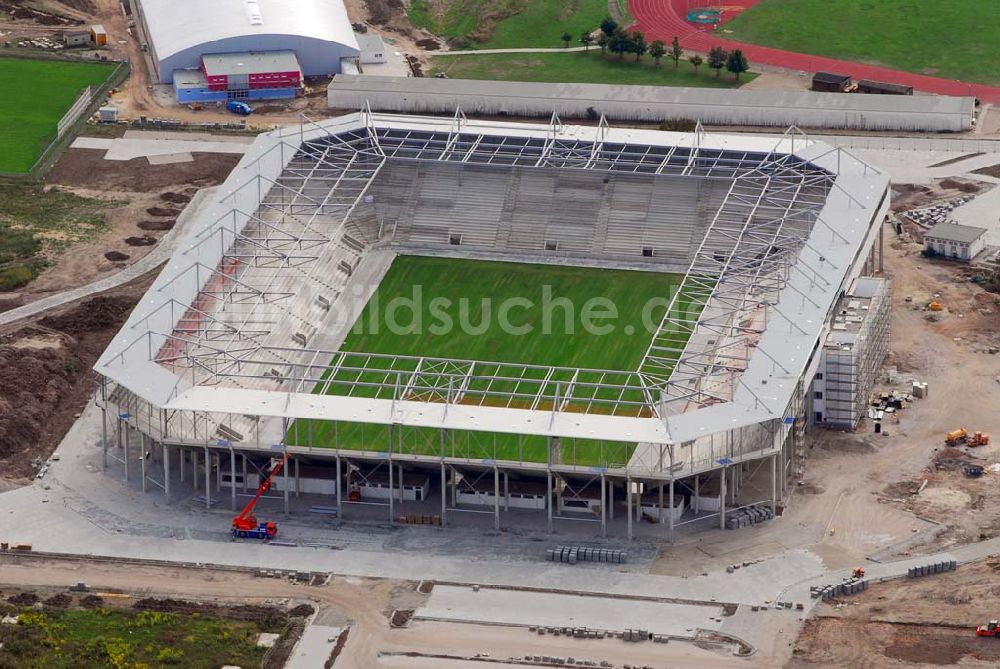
<point x="954" y="39"/>
<point x="34" y="95"/>
<point x="498" y="312"/>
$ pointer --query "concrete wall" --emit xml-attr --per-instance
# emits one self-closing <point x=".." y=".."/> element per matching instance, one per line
<point x="737" y="111"/>
<point x="485" y="498"/>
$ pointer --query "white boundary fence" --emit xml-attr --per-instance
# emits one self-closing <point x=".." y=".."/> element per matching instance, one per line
<point x="74" y="112"/>
<point x="912" y="143"/>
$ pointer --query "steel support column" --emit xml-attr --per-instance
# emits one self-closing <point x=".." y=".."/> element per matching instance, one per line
<point x="548" y="499"/>
<point x="628" y="505"/>
<point x="208" y="479"/>
<point x="232" y="479"/>
<point x="722" y="498"/>
<point x="496" y="498"/>
<point x="284" y="473"/>
<point x="142" y="459"/>
<point x="339" y="484"/>
<point x="604" y="507"/>
<point x="166" y="471"/>
<point x="670" y="509"/>
<point x="104" y="439"/>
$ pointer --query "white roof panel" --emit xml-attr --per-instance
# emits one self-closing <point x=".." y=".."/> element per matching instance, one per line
<point x="176" y="25"/>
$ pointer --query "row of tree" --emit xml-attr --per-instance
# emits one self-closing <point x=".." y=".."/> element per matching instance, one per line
<point x="614" y="38"/>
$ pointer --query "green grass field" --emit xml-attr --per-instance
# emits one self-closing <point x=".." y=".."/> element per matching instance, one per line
<point x="505" y="24"/>
<point x="78" y="638"/>
<point x="34" y="95"/>
<point x="617" y="340"/>
<point x="955" y="39"/>
<point x="582" y="67"/>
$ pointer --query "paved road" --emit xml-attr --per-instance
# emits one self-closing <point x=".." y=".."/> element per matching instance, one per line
<point x="149" y="262"/>
<point x="664" y="19"/>
<point x="481" y="52"/>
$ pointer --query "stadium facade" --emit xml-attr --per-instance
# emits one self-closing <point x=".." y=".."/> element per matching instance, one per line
<point x="239" y="339"/>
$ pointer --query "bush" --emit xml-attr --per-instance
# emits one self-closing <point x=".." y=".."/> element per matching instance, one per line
<point x="15" y="276"/>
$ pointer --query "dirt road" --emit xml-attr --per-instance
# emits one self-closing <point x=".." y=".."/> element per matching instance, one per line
<point x="365" y="605"/>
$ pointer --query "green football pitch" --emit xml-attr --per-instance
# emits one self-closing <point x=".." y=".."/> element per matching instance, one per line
<point x="955" y="39"/>
<point x="34" y="95"/>
<point x="497" y="312"/>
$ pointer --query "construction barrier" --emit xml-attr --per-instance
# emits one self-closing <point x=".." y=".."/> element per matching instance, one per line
<point x="574" y="554"/>
<point x="932" y="568"/>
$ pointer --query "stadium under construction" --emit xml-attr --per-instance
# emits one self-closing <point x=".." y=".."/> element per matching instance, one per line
<point x="247" y="348"/>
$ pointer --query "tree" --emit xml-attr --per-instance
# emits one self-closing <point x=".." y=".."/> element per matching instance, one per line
<point x="676" y="51"/>
<point x="602" y="41"/>
<point x="657" y="50"/>
<point x="638" y="44"/>
<point x="586" y="39"/>
<point x="566" y="37"/>
<point x="695" y="61"/>
<point x="737" y="63"/>
<point x="620" y="43"/>
<point x="717" y="59"/>
<point x="609" y="26"/>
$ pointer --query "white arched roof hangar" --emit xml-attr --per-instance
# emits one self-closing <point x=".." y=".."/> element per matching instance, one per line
<point x="181" y="31"/>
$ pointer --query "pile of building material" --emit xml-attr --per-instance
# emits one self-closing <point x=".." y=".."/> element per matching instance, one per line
<point x="851" y="586"/>
<point x="564" y="661"/>
<point x="749" y="515"/>
<point x="574" y="554"/>
<point x="932" y="568"/>
<point x="928" y="217"/>
<point x="40" y="43"/>
<point x="919" y="389"/>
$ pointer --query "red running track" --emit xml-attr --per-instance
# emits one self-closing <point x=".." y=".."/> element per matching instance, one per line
<point x="664" y="19"/>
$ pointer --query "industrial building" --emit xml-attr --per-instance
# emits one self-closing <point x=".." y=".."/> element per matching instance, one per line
<point x="179" y="33"/>
<point x="852" y="355"/>
<point x="240" y="76"/>
<point x="951" y="240"/>
<point x="653" y="103"/>
<point x="238" y="341"/>
<point x="828" y="82"/>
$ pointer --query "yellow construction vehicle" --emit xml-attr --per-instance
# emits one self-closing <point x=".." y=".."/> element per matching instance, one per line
<point x="962" y="436"/>
<point x="956" y="437"/>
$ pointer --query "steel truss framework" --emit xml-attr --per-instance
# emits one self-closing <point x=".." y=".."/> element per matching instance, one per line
<point x="301" y="235"/>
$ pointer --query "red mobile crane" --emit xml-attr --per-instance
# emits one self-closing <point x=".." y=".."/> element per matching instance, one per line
<point x="246" y="525"/>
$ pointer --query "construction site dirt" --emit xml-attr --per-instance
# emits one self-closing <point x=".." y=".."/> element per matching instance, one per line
<point x="902" y="623"/>
<point x="45" y="378"/>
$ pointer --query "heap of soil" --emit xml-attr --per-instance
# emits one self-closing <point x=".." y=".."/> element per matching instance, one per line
<point x="428" y="44"/>
<point x="163" y="211"/>
<point x="391" y="14"/>
<point x="176" y="198"/>
<point x="157" y="226"/>
<point x="116" y="256"/>
<point x="964" y="186"/>
<point x="268" y="616"/>
<point x="91" y="602"/>
<point x="87" y="168"/>
<point x="18" y="10"/>
<point x="42" y="389"/>
<point x="145" y="240"/>
<point x="60" y="601"/>
<point x="302" y="611"/>
<point x="23" y="599"/>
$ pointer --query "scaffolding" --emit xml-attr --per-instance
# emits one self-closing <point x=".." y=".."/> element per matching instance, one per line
<point x="853" y="354"/>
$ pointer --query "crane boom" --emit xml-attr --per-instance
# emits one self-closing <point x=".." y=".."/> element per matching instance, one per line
<point x="245" y="524"/>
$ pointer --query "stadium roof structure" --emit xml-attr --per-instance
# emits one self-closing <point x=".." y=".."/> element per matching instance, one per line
<point x="223" y="331"/>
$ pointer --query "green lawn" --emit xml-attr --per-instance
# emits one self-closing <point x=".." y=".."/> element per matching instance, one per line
<point x="540" y="333"/>
<point x="34" y="95"/>
<point x="93" y="638"/>
<point x="582" y="67"/>
<point x="504" y="24"/>
<point x="956" y="39"/>
<point x="36" y="223"/>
